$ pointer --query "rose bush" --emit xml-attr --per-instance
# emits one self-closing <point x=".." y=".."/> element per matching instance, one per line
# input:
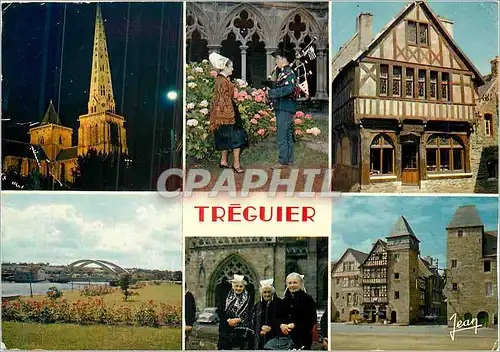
<point x="92" y="311"/>
<point x="97" y="290"/>
<point x="258" y="119"/>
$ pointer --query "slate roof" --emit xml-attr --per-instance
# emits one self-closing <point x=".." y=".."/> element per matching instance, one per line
<point x="465" y="216"/>
<point x="65" y="154"/>
<point x="402" y="228"/>
<point x="21" y="150"/>
<point x="490" y="241"/>
<point x="360" y="256"/>
<point x="51" y="116"/>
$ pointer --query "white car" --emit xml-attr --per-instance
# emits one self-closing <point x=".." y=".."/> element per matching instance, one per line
<point x="208" y="316"/>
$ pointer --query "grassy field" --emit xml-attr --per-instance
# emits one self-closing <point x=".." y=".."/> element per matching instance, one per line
<point x="166" y="293"/>
<point x="28" y="336"/>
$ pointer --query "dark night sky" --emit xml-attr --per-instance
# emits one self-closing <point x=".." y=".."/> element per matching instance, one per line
<point x="31" y="61"/>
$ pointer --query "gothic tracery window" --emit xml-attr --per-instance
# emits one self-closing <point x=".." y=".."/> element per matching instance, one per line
<point x="234" y="265"/>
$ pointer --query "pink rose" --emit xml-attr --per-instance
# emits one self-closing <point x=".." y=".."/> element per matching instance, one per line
<point x="253" y="121"/>
<point x="308" y="117"/>
<point x="243" y="94"/>
<point x="258" y="98"/>
<point x="298" y="132"/>
<point x="257" y="116"/>
<point x="235" y="95"/>
<point x="213" y="73"/>
<point x="264" y="113"/>
<point x="273" y="119"/>
<point x="241" y="98"/>
<point x="297" y="121"/>
<point x="261" y="131"/>
<point x="299" y="114"/>
<point x="273" y="128"/>
<point x="248" y="97"/>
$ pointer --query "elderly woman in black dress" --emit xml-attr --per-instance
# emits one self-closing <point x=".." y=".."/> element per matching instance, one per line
<point x="267" y="314"/>
<point x="235" y="315"/>
<point x="299" y="315"/>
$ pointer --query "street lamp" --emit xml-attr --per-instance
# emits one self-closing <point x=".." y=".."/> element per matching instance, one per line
<point x="172" y="95"/>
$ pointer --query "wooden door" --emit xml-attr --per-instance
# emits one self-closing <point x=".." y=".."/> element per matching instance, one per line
<point x="410" y="174"/>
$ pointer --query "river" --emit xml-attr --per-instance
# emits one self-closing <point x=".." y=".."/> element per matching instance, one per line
<point x="23" y="289"/>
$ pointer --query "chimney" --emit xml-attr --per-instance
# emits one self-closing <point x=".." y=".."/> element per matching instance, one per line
<point x="364" y="28"/>
<point x="494" y="66"/>
<point x="447" y="24"/>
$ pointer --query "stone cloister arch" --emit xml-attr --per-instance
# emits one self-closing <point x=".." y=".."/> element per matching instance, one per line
<point x="250" y="33"/>
<point x="219" y="284"/>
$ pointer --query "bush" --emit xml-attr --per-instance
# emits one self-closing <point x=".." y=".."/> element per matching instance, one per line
<point x="97" y="290"/>
<point x="258" y="119"/>
<point x="91" y="311"/>
<point x="53" y="292"/>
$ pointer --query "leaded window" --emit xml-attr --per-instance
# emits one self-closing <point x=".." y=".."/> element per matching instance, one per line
<point x="421" y="83"/>
<point x="409" y="84"/>
<point x="445" y="86"/>
<point x="412" y="33"/>
<point x="423" y="34"/>
<point x="396" y="81"/>
<point x="384" y="76"/>
<point x="433" y="85"/>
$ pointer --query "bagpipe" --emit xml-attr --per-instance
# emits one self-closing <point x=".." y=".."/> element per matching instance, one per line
<point x="299" y="68"/>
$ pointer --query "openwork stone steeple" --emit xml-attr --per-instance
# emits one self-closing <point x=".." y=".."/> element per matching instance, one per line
<point x="101" y="90"/>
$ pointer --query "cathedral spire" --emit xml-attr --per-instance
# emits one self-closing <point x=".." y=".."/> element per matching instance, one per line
<point x="101" y="97"/>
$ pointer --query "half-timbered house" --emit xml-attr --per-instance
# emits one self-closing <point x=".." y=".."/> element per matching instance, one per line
<point x="347" y="292"/>
<point x="392" y="283"/>
<point x="404" y="107"/>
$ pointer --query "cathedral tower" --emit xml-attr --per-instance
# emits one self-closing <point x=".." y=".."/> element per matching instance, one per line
<point x="101" y="128"/>
<point x="51" y="135"/>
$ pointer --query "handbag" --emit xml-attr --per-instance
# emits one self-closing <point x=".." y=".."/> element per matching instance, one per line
<point x="279" y="343"/>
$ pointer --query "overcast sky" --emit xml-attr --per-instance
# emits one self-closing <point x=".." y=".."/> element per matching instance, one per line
<point x="357" y="222"/>
<point x="132" y="230"/>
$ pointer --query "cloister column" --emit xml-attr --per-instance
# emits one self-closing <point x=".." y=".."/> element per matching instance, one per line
<point x="243" y="49"/>
<point x="269" y="59"/>
<point x="214" y="48"/>
<point x="322" y="73"/>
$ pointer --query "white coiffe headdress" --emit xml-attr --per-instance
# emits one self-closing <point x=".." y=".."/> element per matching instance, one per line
<point x="238" y="278"/>
<point x="299" y="277"/>
<point x="218" y="61"/>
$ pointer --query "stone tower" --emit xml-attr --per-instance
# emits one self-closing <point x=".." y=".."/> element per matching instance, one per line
<point x="101" y="128"/>
<point x="402" y="274"/>
<point x="471" y="282"/>
<point x="51" y="135"/>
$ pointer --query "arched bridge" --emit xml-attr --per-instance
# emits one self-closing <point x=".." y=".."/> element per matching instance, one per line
<point x="111" y="270"/>
<point x="107" y="266"/>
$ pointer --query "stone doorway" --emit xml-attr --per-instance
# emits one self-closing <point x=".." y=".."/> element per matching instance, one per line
<point x="394" y="317"/>
<point x="483" y="319"/>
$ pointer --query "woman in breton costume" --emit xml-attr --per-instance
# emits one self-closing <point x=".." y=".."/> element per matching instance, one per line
<point x="235" y="315"/>
<point x="267" y="319"/>
<point x="299" y="316"/>
<point x="225" y="119"/>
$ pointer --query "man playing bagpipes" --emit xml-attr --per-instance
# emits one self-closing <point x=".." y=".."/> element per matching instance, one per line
<point x="290" y="83"/>
<point x="283" y="99"/>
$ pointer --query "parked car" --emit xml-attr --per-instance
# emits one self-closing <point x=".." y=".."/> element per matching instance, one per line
<point x="208" y="316"/>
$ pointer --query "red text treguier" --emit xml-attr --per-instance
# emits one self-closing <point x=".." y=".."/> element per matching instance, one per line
<point x="238" y="213"/>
